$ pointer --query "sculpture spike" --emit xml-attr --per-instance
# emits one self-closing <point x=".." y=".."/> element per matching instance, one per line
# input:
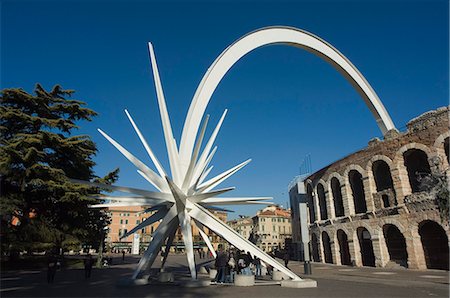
<point x="167" y="128"/>
<point x="156" y="162"/>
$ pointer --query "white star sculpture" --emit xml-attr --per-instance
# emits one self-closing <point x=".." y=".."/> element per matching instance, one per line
<point x="184" y="198"/>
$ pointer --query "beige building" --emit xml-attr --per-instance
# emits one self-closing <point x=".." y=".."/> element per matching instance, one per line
<point x="268" y="229"/>
<point x="244" y="226"/>
<point x="124" y="219"/>
<point x="272" y="226"/>
<point x="371" y="208"/>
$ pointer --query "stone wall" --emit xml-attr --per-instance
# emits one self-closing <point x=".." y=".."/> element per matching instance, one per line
<point x="394" y="209"/>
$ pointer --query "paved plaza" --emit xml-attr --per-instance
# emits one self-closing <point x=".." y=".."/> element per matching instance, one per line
<point x="333" y="281"/>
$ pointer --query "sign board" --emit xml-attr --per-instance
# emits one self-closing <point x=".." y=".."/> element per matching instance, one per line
<point x="304" y="231"/>
<point x="135" y="247"/>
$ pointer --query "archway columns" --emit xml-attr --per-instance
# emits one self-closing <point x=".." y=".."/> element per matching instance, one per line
<point x="347" y="199"/>
<point x="335" y="251"/>
<point x="401" y="183"/>
<point x="355" y="249"/>
<point x="320" y="248"/>
<point x="416" y="255"/>
<point x="315" y="199"/>
<point x="330" y="204"/>
<point x="378" y="247"/>
<point x="384" y="257"/>
<point x="368" y="194"/>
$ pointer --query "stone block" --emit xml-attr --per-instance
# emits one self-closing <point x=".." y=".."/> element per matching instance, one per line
<point x="303" y="283"/>
<point x="278" y="275"/>
<point x="212" y="273"/>
<point x="166" y="277"/>
<point x="202" y="270"/>
<point x="242" y="280"/>
<point x="196" y="283"/>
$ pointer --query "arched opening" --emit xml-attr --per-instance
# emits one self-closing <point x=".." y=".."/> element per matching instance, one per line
<point x="344" y="250"/>
<point x="416" y="162"/>
<point x="382" y="175"/>
<point x="446" y="148"/>
<point x="312" y="209"/>
<point x="435" y="245"/>
<point x="322" y="202"/>
<point x="366" y="247"/>
<point x="357" y="186"/>
<point x="315" y="248"/>
<point x="396" y="245"/>
<point x="337" y="197"/>
<point x="327" y="248"/>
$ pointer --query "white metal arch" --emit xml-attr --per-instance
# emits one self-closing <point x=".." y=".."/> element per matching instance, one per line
<point x="270" y="36"/>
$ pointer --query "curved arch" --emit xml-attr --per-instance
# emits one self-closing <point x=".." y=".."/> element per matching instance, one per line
<point x="435" y="244"/>
<point x="398" y="159"/>
<point x="322" y="197"/>
<point x="327" y="252"/>
<point x="396" y="244"/>
<point x="440" y="140"/>
<point x="270" y="36"/>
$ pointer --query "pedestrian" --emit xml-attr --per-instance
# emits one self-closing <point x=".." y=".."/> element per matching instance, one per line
<point x="123" y="255"/>
<point x="51" y="268"/>
<point x="221" y="264"/>
<point x="257" y="263"/>
<point x="286" y="258"/>
<point x="88" y="262"/>
<point x="231" y="267"/>
<point x="240" y="262"/>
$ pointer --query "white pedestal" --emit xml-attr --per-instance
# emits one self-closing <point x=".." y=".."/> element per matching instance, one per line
<point x="241" y="280"/>
<point x="278" y="275"/>
<point x="212" y="273"/>
<point x="304" y="283"/>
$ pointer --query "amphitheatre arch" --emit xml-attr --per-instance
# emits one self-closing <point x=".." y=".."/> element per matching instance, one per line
<point x="272" y="36"/>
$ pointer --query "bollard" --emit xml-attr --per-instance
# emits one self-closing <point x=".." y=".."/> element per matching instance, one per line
<point x="308" y="269"/>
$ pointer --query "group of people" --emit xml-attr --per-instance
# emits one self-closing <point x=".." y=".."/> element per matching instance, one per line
<point x="228" y="264"/>
<point x="201" y="253"/>
<point x="54" y="263"/>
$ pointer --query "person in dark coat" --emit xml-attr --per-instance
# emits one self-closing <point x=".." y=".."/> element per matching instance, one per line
<point x="88" y="263"/>
<point x="286" y="258"/>
<point x="51" y="268"/>
<point x="221" y="265"/>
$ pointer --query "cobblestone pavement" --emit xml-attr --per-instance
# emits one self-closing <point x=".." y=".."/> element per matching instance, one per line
<point x="333" y="281"/>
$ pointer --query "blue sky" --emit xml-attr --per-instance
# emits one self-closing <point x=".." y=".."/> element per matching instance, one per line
<point x="284" y="103"/>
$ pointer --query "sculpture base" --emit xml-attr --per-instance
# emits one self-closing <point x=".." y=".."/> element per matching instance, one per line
<point x="241" y="280"/>
<point x="304" y="283"/>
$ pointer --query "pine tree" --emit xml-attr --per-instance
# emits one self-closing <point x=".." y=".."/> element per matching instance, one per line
<point x="40" y="207"/>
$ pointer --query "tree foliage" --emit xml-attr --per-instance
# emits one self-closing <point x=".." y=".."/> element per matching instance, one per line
<point x="38" y="153"/>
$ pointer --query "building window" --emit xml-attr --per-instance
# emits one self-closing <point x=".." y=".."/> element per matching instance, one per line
<point x="121" y="221"/>
<point x="137" y="221"/>
<point x="126" y="221"/>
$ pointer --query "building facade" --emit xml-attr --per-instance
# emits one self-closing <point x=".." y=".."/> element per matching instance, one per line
<point x="124" y="219"/>
<point x="374" y="208"/>
<point x="269" y="229"/>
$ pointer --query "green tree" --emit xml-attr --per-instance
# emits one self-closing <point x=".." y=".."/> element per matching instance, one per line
<point x="40" y="207"/>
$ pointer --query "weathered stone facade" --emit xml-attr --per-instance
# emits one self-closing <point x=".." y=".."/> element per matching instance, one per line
<point x="367" y="209"/>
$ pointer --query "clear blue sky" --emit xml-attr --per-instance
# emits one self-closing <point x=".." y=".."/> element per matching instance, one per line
<point x="283" y="102"/>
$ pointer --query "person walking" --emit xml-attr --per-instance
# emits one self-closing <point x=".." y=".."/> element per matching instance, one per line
<point x="221" y="264"/>
<point x="51" y="268"/>
<point x="286" y="258"/>
<point x="123" y="255"/>
<point x="232" y="267"/>
<point x="88" y="262"/>
<point x="257" y="263"/>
